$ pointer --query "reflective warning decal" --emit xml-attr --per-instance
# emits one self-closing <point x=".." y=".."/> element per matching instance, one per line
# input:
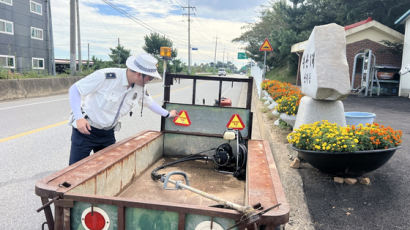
<point x="235" y="122"/>
<point x="182" y="119"/>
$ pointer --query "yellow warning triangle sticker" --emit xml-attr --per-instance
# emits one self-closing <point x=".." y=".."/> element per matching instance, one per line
<point x="182" y="119"/>
<point x="266" y="46"/>
<point x="235" y="122"/>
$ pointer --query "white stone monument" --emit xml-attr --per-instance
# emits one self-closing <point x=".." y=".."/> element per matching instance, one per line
<point x="324" y="76"/>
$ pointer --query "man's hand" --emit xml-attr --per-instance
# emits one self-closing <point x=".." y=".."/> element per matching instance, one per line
<point x="83" y="126"/>
<point x="173" y="113"/>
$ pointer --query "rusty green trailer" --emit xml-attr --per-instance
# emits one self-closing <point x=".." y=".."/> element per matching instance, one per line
<point x="113" y="186"/>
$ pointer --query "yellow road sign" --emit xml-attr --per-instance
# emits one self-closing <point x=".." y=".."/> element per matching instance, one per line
<point x="266" y="46"/>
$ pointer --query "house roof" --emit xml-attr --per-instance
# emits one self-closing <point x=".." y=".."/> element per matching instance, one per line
<point x="366" y="29"/>
<point x="402" y="18"/>
<point x="358" y="23"/>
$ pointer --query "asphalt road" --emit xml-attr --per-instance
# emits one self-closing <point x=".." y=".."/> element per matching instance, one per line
<point x="382" y="205"/>
<point x="35" y="142"/>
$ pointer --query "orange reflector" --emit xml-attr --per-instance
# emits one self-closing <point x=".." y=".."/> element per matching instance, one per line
<point x="182" y="119"/>
<point x="235" y="122"/>
<point x="96" y="221"/>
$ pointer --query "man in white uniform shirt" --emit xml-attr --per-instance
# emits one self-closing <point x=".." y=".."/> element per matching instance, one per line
<point x="101" y="98"/>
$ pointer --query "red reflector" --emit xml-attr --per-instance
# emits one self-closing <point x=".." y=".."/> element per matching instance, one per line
<point x="95" y="221"/>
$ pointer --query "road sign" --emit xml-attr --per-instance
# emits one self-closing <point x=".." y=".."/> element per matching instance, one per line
<point x="165" y="52"/>
<point x="242" y="55"/>
<point x="182" y="119"/>
<point x="235" y="122"/>
<point x="194" y="48"/>
<point x="266" y="46"/>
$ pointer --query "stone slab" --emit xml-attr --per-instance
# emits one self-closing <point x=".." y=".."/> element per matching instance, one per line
<point x="311" y="110"/>
<point x="324" y="69"/>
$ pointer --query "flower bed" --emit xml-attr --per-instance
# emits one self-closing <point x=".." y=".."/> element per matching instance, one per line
<point x="330" y="137"/>
<point x="285" y="94"/>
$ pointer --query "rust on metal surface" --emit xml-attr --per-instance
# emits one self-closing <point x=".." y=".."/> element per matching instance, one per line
<point x="89" y="167"/>
<point x="263" y="183"/>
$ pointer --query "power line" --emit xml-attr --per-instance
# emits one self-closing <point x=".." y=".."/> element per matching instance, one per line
<point x="125" y="13"/>
<point x="138" y="21"/>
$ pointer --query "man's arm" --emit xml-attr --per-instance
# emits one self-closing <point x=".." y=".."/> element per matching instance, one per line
<point x="75" y="103"/>
<point x="154" y="107"/>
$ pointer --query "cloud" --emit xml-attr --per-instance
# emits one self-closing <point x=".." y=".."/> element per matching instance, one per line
<point x="101" y="27"/>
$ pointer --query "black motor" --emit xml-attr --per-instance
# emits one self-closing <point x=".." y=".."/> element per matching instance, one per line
<point x="227" y="160"/>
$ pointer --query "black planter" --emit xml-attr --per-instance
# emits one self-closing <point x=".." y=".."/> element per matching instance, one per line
<point x="347" y="164"/>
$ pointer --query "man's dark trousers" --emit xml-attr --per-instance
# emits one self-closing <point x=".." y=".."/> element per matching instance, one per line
<point x="82" y="144"/>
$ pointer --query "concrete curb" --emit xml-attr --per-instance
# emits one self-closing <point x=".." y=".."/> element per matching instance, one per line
<point x="299" y="216"/>
<point x="26" y="88"/>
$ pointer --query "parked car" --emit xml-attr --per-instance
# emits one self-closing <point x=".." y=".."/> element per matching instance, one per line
<point x="221" y="72"/>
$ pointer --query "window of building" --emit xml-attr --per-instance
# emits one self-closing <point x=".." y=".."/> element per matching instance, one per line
<point x="38" y="63"/>
<point x="7" y="61"/>
<point x="6" y="27"/>
<point x="36" y="8"/>
<point x="36" y="33"/>
<point x="8" y="2"/>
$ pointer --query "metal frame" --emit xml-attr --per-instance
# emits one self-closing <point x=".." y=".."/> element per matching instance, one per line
<point x="267" y="193"/>
<point x="169" y="80"/>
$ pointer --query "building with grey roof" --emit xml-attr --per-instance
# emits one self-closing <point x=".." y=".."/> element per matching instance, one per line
<point x="26" y="38"/>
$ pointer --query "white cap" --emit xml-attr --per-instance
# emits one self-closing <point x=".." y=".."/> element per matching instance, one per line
<point x="143" y="63"/>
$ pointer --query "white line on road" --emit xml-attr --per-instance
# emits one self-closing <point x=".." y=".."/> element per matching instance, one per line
<point x="36" y="103"/>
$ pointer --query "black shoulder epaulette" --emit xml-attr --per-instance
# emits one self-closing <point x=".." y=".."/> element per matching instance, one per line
<point x="110" y="76"/>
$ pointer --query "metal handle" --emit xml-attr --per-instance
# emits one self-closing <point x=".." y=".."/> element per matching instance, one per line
<point x="177" y="183"/>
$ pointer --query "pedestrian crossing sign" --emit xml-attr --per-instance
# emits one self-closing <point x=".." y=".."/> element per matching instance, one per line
<point x="182" y="119"/>
<point x="266" y="46"/>
<point x="235" y="122"/>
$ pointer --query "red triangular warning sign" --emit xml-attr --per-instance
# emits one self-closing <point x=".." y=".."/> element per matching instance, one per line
<point x="235" y="122"/>
<point x="182" y="119"/>
<point x="266" y="46"/>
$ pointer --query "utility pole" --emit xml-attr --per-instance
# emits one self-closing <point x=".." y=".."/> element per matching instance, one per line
<point x="119" y="55"/>
<point x="80" y="62"/>
<point x="216" y="43"/>
<point x="223" y="58"/>
<point x="72" y="37"/>
<point x="189" y="35"/>
<point x="88" y="54"/>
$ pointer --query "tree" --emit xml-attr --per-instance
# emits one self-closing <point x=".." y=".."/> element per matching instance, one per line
<point x="153" y="43"/>
<point x="119" y="54"/>
<point x="285" y="24"/>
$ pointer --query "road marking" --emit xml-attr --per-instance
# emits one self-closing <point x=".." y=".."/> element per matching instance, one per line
<point x="53" y="125"/>
<point x="33" y="131"/>
<point x="36" y="103"/>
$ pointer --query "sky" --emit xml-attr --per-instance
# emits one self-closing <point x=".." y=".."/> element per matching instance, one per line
<point x="101" y="26"/>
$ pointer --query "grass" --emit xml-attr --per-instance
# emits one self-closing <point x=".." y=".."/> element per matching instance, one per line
<point x="7" y="74"/>
<point x="281" y="74"/>
<point x="283" y="125"/>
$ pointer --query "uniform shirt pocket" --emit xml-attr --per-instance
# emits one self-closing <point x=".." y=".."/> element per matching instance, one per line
<point x="110" y="101"/>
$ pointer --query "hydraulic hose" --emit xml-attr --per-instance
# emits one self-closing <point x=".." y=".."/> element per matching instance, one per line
<point x="192" y="157"/>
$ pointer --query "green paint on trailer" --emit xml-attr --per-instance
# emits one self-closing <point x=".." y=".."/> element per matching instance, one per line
<point x="142" y="219"/>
